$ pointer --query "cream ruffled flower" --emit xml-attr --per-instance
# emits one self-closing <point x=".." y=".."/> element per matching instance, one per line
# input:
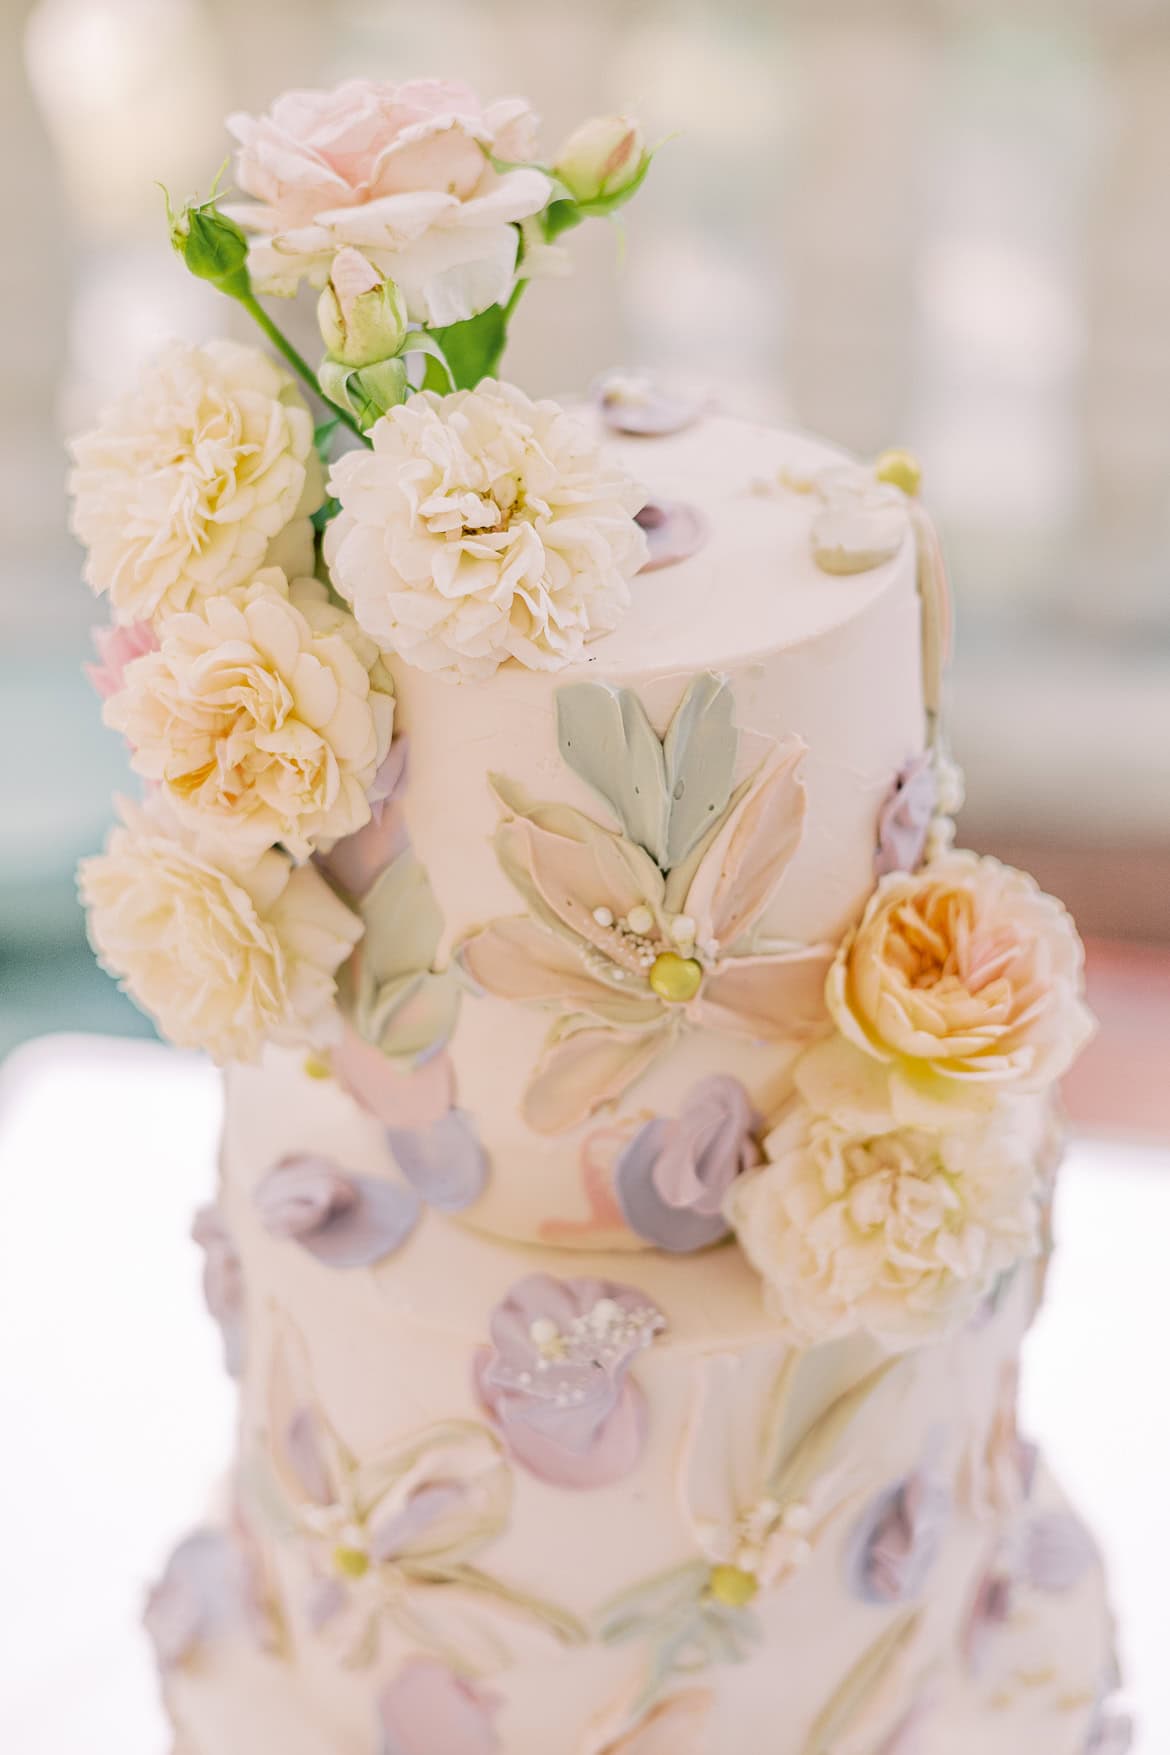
<point x="264" y="715"/>
<point x="223" y="960"/>
<point x="963" y="981"/>
<point x="403" y="173"/>
<point x="896" y="1234"/>
<point x="191" y="476"/>
<point x="481" y="527"/>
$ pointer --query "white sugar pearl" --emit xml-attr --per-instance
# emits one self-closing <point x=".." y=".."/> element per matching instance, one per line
<point x="603" y="916"/>
<point x="604" y="1314"/>
<point x="683" y="929"/>
<point x="640" y="919"/>
<point x="543" y="1330"/>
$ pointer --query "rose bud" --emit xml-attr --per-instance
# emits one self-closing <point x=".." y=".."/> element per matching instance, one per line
<point x="361" y="315"/>
<point x="602" y="159"/>
<point x="213" y="247"/>
<point x="366" y="392"/>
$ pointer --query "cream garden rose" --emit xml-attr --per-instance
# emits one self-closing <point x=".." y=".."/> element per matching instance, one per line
<point x="404" y="173"/>
<point x="191" y="476"/>
<point x="961" y="982"/>
<point x="223" y="959"/>
<point x="481" y="527"/>
<point x="264" y="716"/>
<point x="897" y="1235"/>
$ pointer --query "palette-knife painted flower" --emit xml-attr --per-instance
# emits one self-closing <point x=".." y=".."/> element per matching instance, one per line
<point x="428" y="1707"/>
<point x="556" y="1378"/>
<point x="635" y="936"/>
<point x="394" y="1536"/>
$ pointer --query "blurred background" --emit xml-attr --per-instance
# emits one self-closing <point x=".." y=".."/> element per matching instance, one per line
<point x="940" y="223"/>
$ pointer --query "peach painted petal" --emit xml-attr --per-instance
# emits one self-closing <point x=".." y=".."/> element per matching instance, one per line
<point x="396" y="1095"/>
<point x="568" y="866"/>
<point x="744" y="863"/>
<point x="779" y="996"/>
<point x="516" y="959"/>
<point x="580" y="1072"/>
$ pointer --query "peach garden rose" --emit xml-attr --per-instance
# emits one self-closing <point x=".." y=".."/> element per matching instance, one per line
<point x="961" y="983"/>
<point x="402" y="172"/>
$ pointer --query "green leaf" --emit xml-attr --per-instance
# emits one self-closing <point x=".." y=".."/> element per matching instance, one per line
<point x="606" y="738"/>
<point x="861" y="1684"/>
<point x="666" y="794"/>
<point x="603" y="205"/>
<point x="560" y="216"/>
<point x="472" y="349"/>
<point x="699" y="751"/>
<point x="324" y="514"/>
<point x="791" y="1476"/>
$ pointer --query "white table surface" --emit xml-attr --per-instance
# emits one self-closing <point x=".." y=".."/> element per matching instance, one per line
<point x="117" y="1419"/>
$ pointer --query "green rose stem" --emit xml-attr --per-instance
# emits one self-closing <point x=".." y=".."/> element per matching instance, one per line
<point x="215" y="249"/>
<point x="299" y="364"/>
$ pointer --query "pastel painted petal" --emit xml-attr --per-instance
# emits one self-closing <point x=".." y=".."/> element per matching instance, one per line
<point x="680" y="1230"/>
<point x="410" y="1018"/>
<point x="559" y="1450"/>
<point x="1058" y="1552"/>
<point x="674" y="531"/>
<point x="579" y="1072"/>
<point x="605" y="736"/>
<point x="343" y="1220"/>
<point x="428" y="1710"/>
<point x="356" y="862"/>
<point x="853" y="537"/>
<point x="517" y="959"/>
<point x="569" y="866"/>
<point x="675" y="1726"/>
<point x="410" y="1526"/>
<point x="905" y="817"/>
<point x="631" y="402"/>
<point x="307" y="1459"/>
<point x="897" y="1541"/>
<point x="743" y="864"/>
<point x="777" y="996"/>
<point x="444" y="1162"/>
<point x="198" y="1588"/>
<point x="223" y="1283"/>
<point x="398" y="1095"/>
<point x="403" y="925"/>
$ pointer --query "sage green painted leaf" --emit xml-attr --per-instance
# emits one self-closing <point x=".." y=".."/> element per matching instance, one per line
<point x="862" y="1684"/>
<point x="655" y="1601"/>
<point x="403" y="923"/>
<point x="790" y="1476"/>
<point x="562" y="1624"/>
<point x="699" y="756"/>
<point x="606" y="738"/>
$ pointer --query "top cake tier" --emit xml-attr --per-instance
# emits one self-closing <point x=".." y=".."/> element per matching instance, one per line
<point x="643" y="862"/>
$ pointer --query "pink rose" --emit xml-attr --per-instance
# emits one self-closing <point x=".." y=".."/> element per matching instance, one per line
<point x="117" y="647"/>
<point x="401" y="173"/>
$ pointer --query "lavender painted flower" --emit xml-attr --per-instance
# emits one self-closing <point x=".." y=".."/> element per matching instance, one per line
<point x="223" y="1283"/>
<point x="1057" y="1552"/>
<point x="427" y="1708"/>
<point x="195" y="1597"/>
<point x="674" y="530"/>
<point x="905" y="817"/>
<point x="343" y="1219"/>
<point x="349" y="1220"/>
<point x="631" y="402"/>
<point x="993" y="1606"/>
<point x="556" y="1377"/>
<point x="672" y="1178"/>
<point x="898" y="1541"/>
<point x="391" y="1537"/>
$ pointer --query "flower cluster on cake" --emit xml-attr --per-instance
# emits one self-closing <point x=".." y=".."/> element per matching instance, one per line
<point x="291" y="556"/>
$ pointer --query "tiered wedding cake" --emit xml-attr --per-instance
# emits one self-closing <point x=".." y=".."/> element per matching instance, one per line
<point x="639" y="1140"/>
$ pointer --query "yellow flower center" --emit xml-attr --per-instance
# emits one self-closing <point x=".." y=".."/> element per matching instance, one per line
<point x="674" y="978"/>
<point x="351" y="1562"/>
<point x="733" y="1586"/>
<point x="316" y="1068"/>
<point x="901" y="469"/>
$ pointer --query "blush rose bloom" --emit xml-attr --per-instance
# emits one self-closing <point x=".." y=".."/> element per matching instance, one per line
<point x="190" y="477"/>
<point x="483" y="526"/>
<point x="223" y="960"/>
<point x="897" y="1235"/>
<point x="962" y="982"/>
<point x="264" y="716"/>
<point x="402" y="173"/>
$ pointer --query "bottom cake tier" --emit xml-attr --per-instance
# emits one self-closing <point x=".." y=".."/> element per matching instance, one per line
<point x="499" y="1500"/>
<point x="1032" y="1676"/>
